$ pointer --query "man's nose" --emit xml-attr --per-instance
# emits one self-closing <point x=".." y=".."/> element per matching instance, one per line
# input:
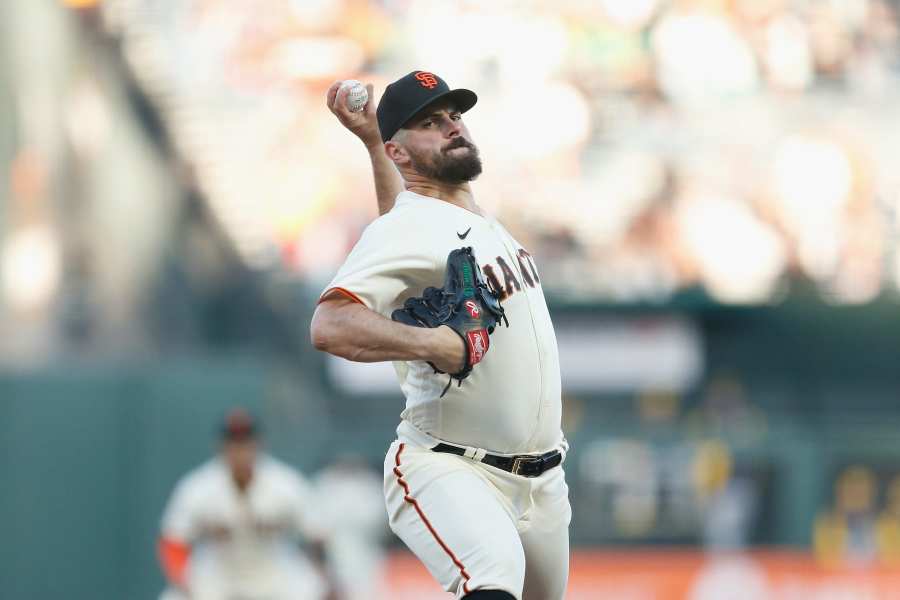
<point x="451" y="128"/>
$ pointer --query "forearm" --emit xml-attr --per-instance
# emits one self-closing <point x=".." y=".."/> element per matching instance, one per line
<point x="354" y="332"/>
<point x="388" y="182"/>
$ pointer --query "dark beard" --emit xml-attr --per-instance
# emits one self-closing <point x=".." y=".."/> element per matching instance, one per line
<point x="449" y="169"/>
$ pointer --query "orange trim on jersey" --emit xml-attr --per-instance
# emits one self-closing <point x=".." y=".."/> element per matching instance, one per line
<point x="344" y="292"/>
<point x="173" y="556"/>
<point x="411" y="500"/>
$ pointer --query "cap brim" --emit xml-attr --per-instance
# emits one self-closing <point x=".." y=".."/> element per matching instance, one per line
<point x="463" y="99"/>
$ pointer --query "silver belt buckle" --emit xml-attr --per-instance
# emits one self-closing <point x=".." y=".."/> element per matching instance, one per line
<point x="520" y="461"/>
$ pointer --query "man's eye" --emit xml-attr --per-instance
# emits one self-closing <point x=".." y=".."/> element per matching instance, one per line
<point x="427" y="124"/>
<point x="456" y="116"/>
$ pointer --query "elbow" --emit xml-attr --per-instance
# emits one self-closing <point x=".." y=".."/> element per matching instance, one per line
<point x="322" y="331"/>
<point x="319" y="334"/>
<point x="319" y="342"/>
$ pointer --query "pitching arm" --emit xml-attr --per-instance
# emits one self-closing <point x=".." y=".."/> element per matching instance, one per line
<point x="346" y="328"/>
<point x="364" y="125"/>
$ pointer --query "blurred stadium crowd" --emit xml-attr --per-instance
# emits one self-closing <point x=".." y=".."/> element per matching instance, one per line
<point x="643" y="147"/>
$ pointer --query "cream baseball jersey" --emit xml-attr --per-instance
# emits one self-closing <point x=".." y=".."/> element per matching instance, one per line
<point x="511" y="401"/>
<point x="249" y="537"/>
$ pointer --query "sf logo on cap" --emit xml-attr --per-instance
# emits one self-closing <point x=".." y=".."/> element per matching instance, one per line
<point x="426" y="79"/>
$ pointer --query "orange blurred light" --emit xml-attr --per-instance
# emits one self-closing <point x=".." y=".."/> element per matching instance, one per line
<point x="80" y="3"/>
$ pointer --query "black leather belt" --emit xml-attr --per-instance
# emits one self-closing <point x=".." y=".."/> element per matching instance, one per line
<point x="526" y="465"/>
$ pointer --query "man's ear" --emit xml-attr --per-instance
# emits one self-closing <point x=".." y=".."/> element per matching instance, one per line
<point x="396" y="152"/>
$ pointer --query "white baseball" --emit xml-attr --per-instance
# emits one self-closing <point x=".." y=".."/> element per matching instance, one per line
<point x="357" y="96"/>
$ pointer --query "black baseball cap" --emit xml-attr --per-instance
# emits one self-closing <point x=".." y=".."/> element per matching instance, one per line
<point x="239" y="424"/>
<point x="410" y="94"/>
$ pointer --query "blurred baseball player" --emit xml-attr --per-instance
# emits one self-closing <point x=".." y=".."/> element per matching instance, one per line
<point x="473" y="483"/>
<point x="352" y="519"/>
<point x="232" y="526"/>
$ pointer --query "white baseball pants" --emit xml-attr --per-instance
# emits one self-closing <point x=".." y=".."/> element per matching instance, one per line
<point x="478" y="527"/>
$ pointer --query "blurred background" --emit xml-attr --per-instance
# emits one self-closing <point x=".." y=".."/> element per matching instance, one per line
<point x="709" y="188"/>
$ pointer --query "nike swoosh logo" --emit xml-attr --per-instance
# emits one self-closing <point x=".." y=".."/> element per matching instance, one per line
<point x="462" y="236"/>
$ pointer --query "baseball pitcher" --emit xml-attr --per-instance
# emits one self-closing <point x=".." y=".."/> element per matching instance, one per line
<point x="474" y="483"/>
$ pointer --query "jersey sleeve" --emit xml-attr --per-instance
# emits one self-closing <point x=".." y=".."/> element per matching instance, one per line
<point x="179" y="521"/>
<point x="391" y="261"/>
<point x="306" y="517"/>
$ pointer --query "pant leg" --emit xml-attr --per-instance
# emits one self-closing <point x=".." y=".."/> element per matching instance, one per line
<point x="453" y="520"/>
<point x="546" y="539"/>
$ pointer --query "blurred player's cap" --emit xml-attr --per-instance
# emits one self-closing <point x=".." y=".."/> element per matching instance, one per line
<point x="410" y="94"/>
<point x="239" y="424"/>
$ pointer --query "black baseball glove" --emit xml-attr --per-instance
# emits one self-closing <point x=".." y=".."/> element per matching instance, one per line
<point x="466" y="304"/>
